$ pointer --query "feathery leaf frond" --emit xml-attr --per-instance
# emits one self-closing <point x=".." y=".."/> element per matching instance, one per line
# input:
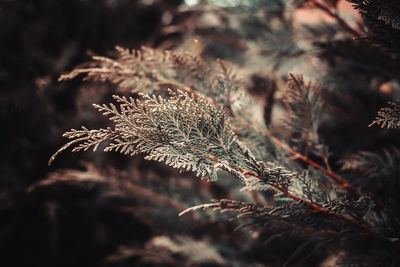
<point x="146" y="70"/>
<point x="303" y="104"/>
<point x="388" y="117"/>
<point x="185" y="131"/>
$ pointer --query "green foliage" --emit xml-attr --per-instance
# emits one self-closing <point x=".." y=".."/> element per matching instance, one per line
<point x="196" y="116"/>
<point x="386" y="11"/>
<point x="185" y="131"/>
<point x="303" y="104"/>
<point x="381" y="17"/>
<point x="188" y="132"/>
<point x="388" y="117"/>
<point x="373" y="165"/>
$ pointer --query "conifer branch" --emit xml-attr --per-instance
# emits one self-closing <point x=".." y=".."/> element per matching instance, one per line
<point x="186" y="132"/>
<point x="341" y="181"/>
<point x="388" y="117"/>
<point x="312" y="205"/>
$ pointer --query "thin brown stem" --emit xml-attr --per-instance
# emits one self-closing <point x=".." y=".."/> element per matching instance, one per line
<point x="316" y="207"/>
<point x="312" y="205"/>
<point x="337" y="178"/>
<point x="356" y="32"/>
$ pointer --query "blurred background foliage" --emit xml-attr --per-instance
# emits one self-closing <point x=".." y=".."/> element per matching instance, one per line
<point x="122" y="211"/>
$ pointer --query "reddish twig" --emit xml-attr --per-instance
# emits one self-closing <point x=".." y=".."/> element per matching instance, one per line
<point x="337" y="178"/>
<point x="312" y="205"/>
<point x="340" y="21"/>
<point x="316" y="207"/>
